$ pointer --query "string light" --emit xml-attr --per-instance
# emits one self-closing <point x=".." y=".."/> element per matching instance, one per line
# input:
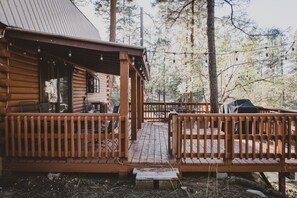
<point x="38" y="49"/>
<point x="236" y="56"/>
<point x="101" y="57"/>
<point x="205" y="54"/>
<point x="173" y="57"/>
<point x="133" y="59"/>
<point x="266" y="51"/>
<point x="69" y="54"/>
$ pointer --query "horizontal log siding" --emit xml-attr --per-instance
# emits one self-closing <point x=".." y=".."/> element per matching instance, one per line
<point x="101" y="96"/>
<point x="3" y="89"/>
<point x="23" y="81"/>
<point x="80" y="89"/>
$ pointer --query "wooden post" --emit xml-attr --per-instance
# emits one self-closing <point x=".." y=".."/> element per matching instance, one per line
<point x="142" y="100"/>
<point x="282" y="183"/>
<point x="139" y="104"/>
<point x="134" y="105"/>
<point x="124" y="98"/>
<point x="174" y="134"/>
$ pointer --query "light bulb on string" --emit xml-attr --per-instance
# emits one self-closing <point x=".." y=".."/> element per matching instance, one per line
<point x="38" y="49"/>
<point x="205" y="54"/>
<point x="236" y="56"/>
<point x="101" y="57"/>
<point x="173" y="57"/>
<point x="69" y="54"/>
<point x="266" y="51"/>
<point x="293" y="49"/>
<point x="133" y="59"/>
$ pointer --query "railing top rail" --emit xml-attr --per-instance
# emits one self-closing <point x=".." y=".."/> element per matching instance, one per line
<point x="176" y="103"/>
<point x="65" y="114"/>
<point x="238" y="115"/>
<point x="275" y="109"/>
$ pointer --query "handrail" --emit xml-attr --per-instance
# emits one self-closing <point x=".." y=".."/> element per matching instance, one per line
<point x="159" y="111"/>
<point x="63" y="135"/>
<point x="230" y="136"/>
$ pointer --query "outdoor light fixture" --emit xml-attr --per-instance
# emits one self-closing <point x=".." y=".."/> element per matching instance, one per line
<point x="101" y="57"/>
<point x="69" y="54"/>
<point x="173" y="57"/>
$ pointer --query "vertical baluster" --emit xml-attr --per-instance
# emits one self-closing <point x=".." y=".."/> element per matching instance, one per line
<point x="6" y="136"/>
<point x="65" y="136"/>
<point x="289" y="137"/>
<point x="185" y="137"/>
<point x="32" y="137"/>
<point x="112" y="137"/>
<point x="12" y="136"/>
<point x="198" y="136"/>
<point x="276" y="137"/>
<point x="72" y="137"/>
<point x="261" y="136"/>
<point x="19" y="137"/>
<point x="79" y="136"/>
<point x="92" y="137"/>
<point x="59" y="137"/>
<point x="191" y="137"/>
<point x="268" y="136"/>
<point x="219" y="137"/>
<point x="120" y="137"/>
<point x="283" y="136"/>
<point x="26" y="136"/>
<point x="255" y="127"/>
<point x="205" y="136"/>
<point x="39" y="136"/>
<point x="231" y="144"/>
<point x="45" y="137"/>
<point x="106" y="137"/>
<point x="240" y="138"/>
<point x="226" y="137"/>
<point x="86" y="136"/>
<point x="52" y="136"/>
<point x="179" y="138"/>
<point x="99" y="136"/>
<point x="212" y="137"/>
<point x="247" y="135"/>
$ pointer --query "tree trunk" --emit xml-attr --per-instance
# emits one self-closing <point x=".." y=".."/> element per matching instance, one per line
<point x="112" y="36"/>
<point x="212" y="68"/>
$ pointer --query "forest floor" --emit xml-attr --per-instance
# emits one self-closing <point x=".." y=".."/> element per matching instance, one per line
<point x="107" y="185"/>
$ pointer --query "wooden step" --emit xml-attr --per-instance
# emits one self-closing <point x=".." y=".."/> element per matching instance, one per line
<point x="156" y="178"/>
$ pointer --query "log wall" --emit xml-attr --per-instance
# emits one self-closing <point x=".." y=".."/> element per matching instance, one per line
<point x="80" y="89"/>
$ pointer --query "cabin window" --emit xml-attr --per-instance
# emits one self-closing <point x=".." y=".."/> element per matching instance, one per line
<point x="93" y="83"/>
<point x="55" y="85"/>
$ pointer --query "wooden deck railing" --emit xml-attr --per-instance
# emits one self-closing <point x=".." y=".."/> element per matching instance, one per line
<point x="230" y="136"/>
<point x="274" y="110"/>
<point x="159" y="111"/>
<point x="35" y="135"/>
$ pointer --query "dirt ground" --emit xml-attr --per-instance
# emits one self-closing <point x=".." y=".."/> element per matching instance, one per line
<point x="106" y="185"/>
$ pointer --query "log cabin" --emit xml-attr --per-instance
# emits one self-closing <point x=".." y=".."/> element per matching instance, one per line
<point x="53" y="64"/>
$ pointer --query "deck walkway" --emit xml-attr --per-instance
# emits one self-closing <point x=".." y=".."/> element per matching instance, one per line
<point x="151" y="145"/>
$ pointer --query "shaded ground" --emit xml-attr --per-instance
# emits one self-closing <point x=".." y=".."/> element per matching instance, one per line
<point x="99" y="185"/>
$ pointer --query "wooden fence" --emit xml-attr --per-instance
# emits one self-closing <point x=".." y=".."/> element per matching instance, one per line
<point x="230" y="136"/>
<point x="35" y="135"/>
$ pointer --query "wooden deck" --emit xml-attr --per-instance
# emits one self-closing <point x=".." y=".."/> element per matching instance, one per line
<point x="151" y="145"/>
<point x="151" y="149"/>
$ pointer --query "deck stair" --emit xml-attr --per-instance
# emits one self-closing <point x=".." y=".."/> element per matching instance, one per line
<point x="156" y="178"/>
